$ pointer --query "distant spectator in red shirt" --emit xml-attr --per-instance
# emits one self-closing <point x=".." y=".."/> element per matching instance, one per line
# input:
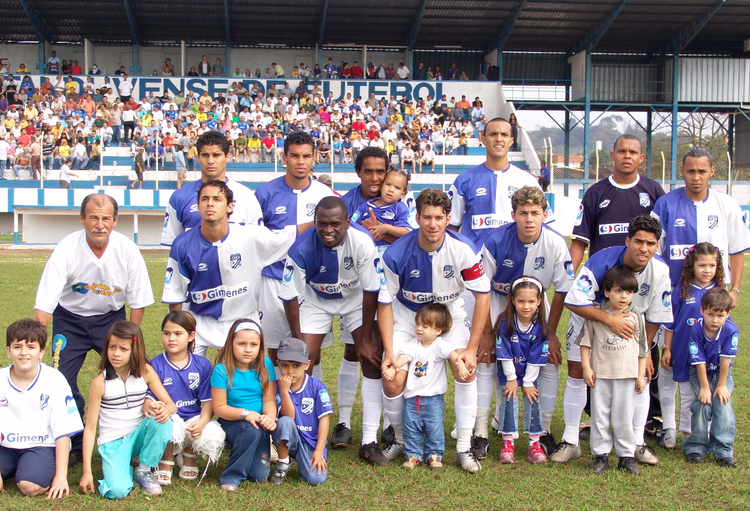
<point x="358" y="125"/>
<point x="357" y="71"/>
<point x="75" y="68"/>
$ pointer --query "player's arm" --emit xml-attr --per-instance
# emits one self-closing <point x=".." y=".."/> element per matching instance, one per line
<point x="385" y="325"/>
<point x="577" y="249"/>
<point x="616" y="322"/>
<point x="42" y="317"/>
<point x="136" y="315"/>
<point x="96" y="393"/>
<point x="59" y="486"/>
<point x="736" y="263"/>
<point x="666" y="354"/>
<point x="291" y="310"/>
<point x="555" y="312"/>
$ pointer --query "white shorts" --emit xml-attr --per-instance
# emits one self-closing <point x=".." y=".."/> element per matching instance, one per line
<point x="272" y="315"/>
<point x="575" y="327"/>
<point x="316" y="314"/>
<point x="212" y="333"/>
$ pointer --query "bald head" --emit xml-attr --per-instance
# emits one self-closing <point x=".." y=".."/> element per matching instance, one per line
<point x="98" y="200"/>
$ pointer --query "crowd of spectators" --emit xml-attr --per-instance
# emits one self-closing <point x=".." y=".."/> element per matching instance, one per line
<point x="64" y="122"/>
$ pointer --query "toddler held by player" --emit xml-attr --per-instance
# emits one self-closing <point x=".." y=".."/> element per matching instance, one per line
<point x="390" y="211"/>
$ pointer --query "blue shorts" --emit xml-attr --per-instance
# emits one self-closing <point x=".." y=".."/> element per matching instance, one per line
<point x="35" y="465"/>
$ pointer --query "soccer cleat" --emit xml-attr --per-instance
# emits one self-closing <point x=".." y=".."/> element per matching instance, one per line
<point x="667" y="438"/>
<point x="536" y="453"/>
<point x="566" y="452"/>
<point x="75" y="457"/>
<point x="507" y="455"/>
<point x="601" y="464"/>
<point x="341" y="436"/>
<point x="411" y="462"/>
<point x="727" y="462"/>
<point x="467" y="461"/>
<point x="434" y="462"/>
<point x="653" y="426"/>
<point x="585" y="433"/>
<point x="480" y="446"/>
<point x="388" y="436"/>
<point x="147" y="480"/>
<point x="393" y="450"/>
<point x="548" y="443"/>
<point x="646" y="455"/>
<point x="279" y="473"/>
<point x="694" y="457"/>
<point x="628" y="463"/>
<point x="373" y="454"/>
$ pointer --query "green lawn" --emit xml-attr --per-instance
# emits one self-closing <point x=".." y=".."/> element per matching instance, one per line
<point x="673" y="484"/>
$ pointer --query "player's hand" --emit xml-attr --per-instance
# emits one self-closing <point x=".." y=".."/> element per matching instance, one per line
<point x="87" y="483"/>
<point x="531" y="393"/>
<point x="285" y="383"/>
<point x="486" y="348"/>
<point x="389" y="360"/>
<point x="370" y="222"/>
<point x="735" y="295"/>
<point x="469" y="359"/>
<point x="704" y="396"/>
<point x="58" y="488"/>
<point x="620" y="325"/>
<point x="649" y="369"/>
<point x="722" y="392"/>
<point x="510" y="390"/>
<point x="554" y="356"/>
<point x="369" y="350"/>
<point x="317" y="460"/>
<point x="589" y="377"/>
<point x="666" y="357"/>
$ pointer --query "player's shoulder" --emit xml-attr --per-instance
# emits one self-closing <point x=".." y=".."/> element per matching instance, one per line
<point x="187" y="239"/>
<point x="471" y="174"/>
<point x="606" y="257"/>
<point x="239" y="188"/>
<point x="456" y="239"/>
<point x="500" y="236"/>
<point x="186" y="193"/>
<point x="650" y="185"/>
<point x="402" y="247"/>
<point x="552" y="235"/>
<point x="267" y="189"/>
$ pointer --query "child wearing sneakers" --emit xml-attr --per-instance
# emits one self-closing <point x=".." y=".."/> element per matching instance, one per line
<point x="426" y="383"/>
<point x="304" y="416"/>
<point x="615" y="369"/>
<point x="713" y="345"/>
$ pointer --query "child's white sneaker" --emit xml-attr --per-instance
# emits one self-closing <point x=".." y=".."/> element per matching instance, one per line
<point x="646" y="455"/>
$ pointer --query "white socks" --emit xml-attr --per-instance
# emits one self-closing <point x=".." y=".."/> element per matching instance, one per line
<point x="465" y="407"/>
<point x="640" y="416"/>
<point x="667" y="394"/>
<point x="573" y="403"/>
<point x="348" y="381"/>
<point x="372" y="407"/>
<point x="549" y="383"/>
<point x="318" y="372"/>
<point x="485" y="389"/>
<point x="394" y="410"/>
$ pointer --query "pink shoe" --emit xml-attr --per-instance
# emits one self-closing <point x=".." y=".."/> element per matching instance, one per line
<point x="507" y="454"/>
<point x="536" y="453"/>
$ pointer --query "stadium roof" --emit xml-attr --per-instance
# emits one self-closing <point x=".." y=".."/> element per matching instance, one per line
<point x="613" y="26"/>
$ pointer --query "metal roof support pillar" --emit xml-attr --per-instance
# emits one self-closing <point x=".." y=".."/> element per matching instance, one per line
<point x="567" y="153"/>
<point x="412" y="40"/>
<point x="40" y="30"/>
<point x="42" y="57"/>
<point x="321" y="32"/>
<point x="500" y="69"/>
<point x="675" y="122"/>
<point x="228" y="46"/>
<point x="503" y="36"/>
<point x="183" y="58"/>
<point x="730" y="136"/>
<point x="649" y="152"/>
<point x="136" y="67"/>
<point x="587" y="120"/>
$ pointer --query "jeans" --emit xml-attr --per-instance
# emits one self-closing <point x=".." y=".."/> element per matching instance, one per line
<point x="80" y="162"/>
<point x="463" y="149"/>
<point x="18" y="168"/>
<point x="438" y="147"/>
<point x="721" y="437"/>
<point x="116" y="133"/>
<point x="301" y="451"/>
<point x="531" y="415"/>
<point x="249" y="453"/>
<point x="423" y="427"/>
<point x="3" y="163"/>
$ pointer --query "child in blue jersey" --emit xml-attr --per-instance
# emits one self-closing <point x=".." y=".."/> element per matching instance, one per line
<point x="713" y="345"/>
<point x="702" y="271"/>
<point x="304" y="416"/>
<point x="115" y="403"/>
<point x="426" y="384"/>
<point x="391" y="212"/>
<point x="187" y="379"/>
<point x="522" y="347"/>
<point x="243" y="390"/>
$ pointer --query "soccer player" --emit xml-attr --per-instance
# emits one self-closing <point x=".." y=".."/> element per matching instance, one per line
<point x="287" y="200"/>
<point x="371" y="166"/>
<point x="430" y="265"/>
<point x="335" y="269"/>
<point x="86" y="282"/>
<point x="182" y="209"/>
<point x="653" y="298"/>
<point x="527" y="247"/>
<point x="214" y="271"/>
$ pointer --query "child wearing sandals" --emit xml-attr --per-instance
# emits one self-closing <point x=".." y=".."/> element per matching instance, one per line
<point x="187" y="379"/>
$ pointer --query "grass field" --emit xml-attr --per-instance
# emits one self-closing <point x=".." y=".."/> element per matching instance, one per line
<point x="673" y="484"/>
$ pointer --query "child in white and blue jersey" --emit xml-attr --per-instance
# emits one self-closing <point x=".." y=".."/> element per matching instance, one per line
<point x="187" y="379"/>
<point x="713" y="345"/>
<point x="304" y="417"/>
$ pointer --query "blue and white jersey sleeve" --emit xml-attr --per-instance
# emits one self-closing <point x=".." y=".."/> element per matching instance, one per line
<point x="586" y="289"/>
<point x="293" y="282"/>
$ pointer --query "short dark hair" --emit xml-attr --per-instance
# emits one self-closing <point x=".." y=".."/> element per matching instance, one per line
<point x="26" y="329"/>
<point x="370" y="152"/>
<point x="433" y="197"/>
<point x="717" y="299"/>
<point x="213" y="137"/>
<point x="627" y="136"/>
<point x="645" y="223"/>
<point x="331" y="202"/>
<point x="698" y="152"/>
<point x="435" y="315"/>
<point x="299" y="138"/>
<point x="620" y="276"/>
<point x="494" y="119"/>
<point x="96" y="198"/>
<point x="223" y="188"/>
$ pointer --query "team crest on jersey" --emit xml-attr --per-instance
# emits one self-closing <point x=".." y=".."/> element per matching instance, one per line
<point x="569" y="268"/>
<point x="508" y="263"/>
<point x="666" y="299"/>
<point x="310" y="208"/>
<point x="603" y="204"/>
<point x="194" y="379"/>
<point x="645" y="288"/>
<point x="512" y="190"/>
<point x="414" y="274"/>
<point x="644" y="200"/>
<point x="348" y="263"/>
<point x="43" y="401"/>
<point x="168" y="277"/>
<point x="481" y="192"/>
<point x="713" y="221"/>
<point x="448" y="272"/>
<point x="288" y="271"/>
<point x="307" y="405"/>
<point x="584" y="283"/>
<point x="235" y="260"/>
<point x="539" y="263"/>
